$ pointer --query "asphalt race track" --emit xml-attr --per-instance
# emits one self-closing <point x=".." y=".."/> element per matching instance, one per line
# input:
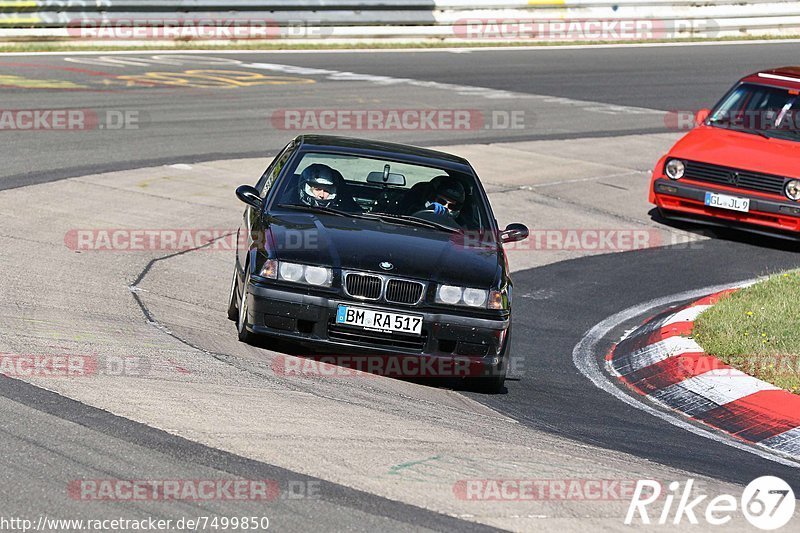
<point x="592" y="123"/>
<point x="234" y="122"/>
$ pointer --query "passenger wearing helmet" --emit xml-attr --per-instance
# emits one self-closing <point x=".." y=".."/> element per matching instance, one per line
<point x="447" y="197"/>
<point x="322" y="186"/>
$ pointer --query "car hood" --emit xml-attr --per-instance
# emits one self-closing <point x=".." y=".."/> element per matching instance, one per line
<point x="736" y="149"/>
<point x="363" y="244"/>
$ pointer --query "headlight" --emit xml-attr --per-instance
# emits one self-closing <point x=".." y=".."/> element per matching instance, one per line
<point x="475" y="297"/>
<point x="674" y="169"/>
<point x="317" y="275"/>
<point x="792" y="189"/>
<point x="451" y="295"/>
<point x="447" y="294"/>
<point x="290" y="272"/>
<point x="296" y="273"/>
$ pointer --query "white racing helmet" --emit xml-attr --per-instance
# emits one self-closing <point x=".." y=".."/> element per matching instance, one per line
<point x="319" y="176"/>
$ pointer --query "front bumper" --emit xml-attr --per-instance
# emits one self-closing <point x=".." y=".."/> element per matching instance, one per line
<point x="782" y="218"/>
<point x="310" y="320"/>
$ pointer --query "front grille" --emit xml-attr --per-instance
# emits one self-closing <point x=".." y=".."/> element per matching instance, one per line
<point x="404" y="292"/>
<point x="363" y="286"/>
<point x="732" y="177"/>
<point x="377" y="338"/>
<point x="380" y="287"/>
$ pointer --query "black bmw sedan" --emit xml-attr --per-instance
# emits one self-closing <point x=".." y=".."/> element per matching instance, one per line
<point x="357" y="246"/>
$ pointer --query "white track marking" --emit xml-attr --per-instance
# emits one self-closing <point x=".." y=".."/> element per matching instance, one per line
<point x="719" y="386"/>
<point x="689" y="314"/>
<point x="337" y="75"/>
<point x="787" y="442"/>
<point x="584" y="358"/>
<point x="109" y="61"/>
<point x="533" y="187"/>
<point x="463" y="90"/>
<point x="655" y="353"/>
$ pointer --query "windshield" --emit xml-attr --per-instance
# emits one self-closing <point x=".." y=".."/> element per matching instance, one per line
<point x="399" y="193"/>
<point x="761" y="110"/>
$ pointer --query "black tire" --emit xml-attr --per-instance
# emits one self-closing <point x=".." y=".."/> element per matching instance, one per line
<point x="665" y="214"/>
<point x="233" y="308"/>
<point x="244" y="334"/>
<point x="489" y="385"/>
<point x="494" y="383"/>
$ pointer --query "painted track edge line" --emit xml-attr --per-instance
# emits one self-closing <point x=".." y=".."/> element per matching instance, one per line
<point x="584" y="359"/>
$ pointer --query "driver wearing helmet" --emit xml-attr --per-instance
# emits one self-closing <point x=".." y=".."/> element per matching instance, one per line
<point x="322" y="186"/>
<point x="447" y="197"/>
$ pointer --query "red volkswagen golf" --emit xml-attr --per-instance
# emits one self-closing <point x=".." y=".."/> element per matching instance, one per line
<point x="740" y="166"/>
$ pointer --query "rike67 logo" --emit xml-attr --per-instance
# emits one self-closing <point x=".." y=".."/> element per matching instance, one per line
<point x="768" y="503"/>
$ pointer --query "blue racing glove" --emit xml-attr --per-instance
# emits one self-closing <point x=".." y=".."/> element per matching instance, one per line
<point x="438" y="208"/>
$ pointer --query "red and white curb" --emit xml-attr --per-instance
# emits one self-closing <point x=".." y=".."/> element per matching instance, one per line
<point x="660" y="360"/>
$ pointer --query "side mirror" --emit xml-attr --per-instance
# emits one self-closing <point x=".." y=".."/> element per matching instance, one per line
<point x="701" y="116"/>
<point x="249" y="195"/>
<point x="514" y="233"/>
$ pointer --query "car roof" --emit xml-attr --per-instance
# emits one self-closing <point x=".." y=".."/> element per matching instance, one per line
<point x="781" y="76"/>
<point x="368" y="147"/>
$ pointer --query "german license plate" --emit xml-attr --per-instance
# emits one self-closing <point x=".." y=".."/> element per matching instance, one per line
<point x="727" y="202"/>
<point x="378" y="320"/>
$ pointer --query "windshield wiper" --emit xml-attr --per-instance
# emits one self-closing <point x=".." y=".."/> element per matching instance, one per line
<point x="397" y="219"/>
<point x="728" y="126"/>
<point x="412" y="221"/>
<point x="318" y="209"/>
<point x="793" y="133"/>
<point x="753" y="132"/>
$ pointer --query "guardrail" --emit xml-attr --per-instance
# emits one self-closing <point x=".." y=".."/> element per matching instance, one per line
<point x="455" y="20"/>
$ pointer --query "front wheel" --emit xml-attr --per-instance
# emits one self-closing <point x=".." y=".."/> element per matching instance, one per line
<point x="244" y="334"/>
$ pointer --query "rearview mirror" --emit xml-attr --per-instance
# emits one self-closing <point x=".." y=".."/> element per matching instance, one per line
<point x="249" y="195"/>
<point x="701" y="116"/>
<point x="390" y="179"/>
<point x="514" y="233"/>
